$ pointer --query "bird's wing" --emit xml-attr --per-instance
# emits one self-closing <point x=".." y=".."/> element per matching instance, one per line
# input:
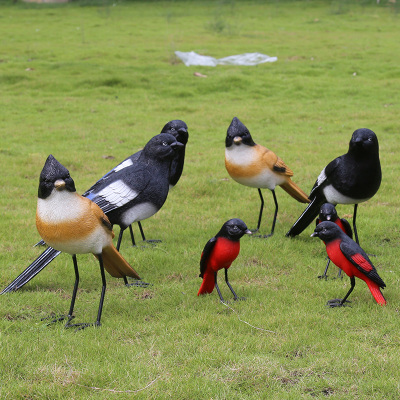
<point x="324" y="175"/>
<point x="357" y="256"/>
<point x="205" y="255"/>
<point x="282" y="168"/>
<point x="347" y="227"/>
<point x="125" y="186"/>
<point x="124" y="164"/>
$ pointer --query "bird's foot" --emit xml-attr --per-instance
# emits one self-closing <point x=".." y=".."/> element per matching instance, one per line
<point x="81" y="326"/>
<point x="239" y="299"/>
<point x="323" y="277"/>
<point x="55" y="318"/>
<point x="337" y="303"/>
<point x="138" y="283"/>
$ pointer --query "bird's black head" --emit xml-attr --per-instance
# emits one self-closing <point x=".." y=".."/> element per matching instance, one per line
<point x="178" y="129"/>
<point x="54" y="176"/>
<point x="327" y="231"/>
<point x="237" y="134"/>
<point x="161" y="147"/>
<point x="364" y="142"/>
<point x="328" y="212"/>
<point x="234" y="229"/>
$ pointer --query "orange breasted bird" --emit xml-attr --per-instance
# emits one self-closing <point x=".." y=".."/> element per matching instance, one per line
<point x="219" y="252"/>
<point x="351" y="258"/>
<point x="253" y="165"/>
<point x="74" y="224"/>
<point x="328" y="213"/>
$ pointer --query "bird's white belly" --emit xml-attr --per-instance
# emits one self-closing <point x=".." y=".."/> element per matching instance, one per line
<point x="334" y="197"/>
<point x="266" y="179"/>
<point x="138" y="213"/>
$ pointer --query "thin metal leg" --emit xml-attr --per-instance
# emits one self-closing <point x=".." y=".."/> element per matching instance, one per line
<point x="103" y="290"/>
<point x="121" y="232"/>
<point x="235" y="297"/>
<point x="275" y="214"/>
<point x="354" y="223"/>
<point x="216" y="287"/>
<point x="340" y="302"/>
<point x="261" y="210"/>
<point x="132" y="237"/>
<point x="324" y="276"/>
<point x="71" y="307"/>
<point x="141" y="231"/>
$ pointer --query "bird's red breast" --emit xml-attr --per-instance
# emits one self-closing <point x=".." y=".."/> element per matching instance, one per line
<point x="223" y="254"/>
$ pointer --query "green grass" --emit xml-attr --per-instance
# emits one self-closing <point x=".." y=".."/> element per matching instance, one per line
<point x="91" y="82"/>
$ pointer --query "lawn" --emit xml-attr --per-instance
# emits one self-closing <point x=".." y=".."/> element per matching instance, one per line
<point x="91" y="82"/>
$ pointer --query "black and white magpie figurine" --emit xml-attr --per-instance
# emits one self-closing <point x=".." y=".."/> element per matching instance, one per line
<point x="351" y="178"/>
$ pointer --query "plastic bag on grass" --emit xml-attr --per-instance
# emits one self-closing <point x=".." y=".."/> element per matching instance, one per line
<point x="192" y="58"/>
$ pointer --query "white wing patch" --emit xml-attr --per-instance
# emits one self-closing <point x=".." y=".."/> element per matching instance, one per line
<point x="117" y="193"/>
<point x="321" y="177"/>
<point x="123" y="165"/>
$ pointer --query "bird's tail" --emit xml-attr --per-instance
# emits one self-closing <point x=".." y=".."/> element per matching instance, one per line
<point x="308" y="216"/>
<point x="40" y="263"/>
<point x="376" y="292"/>
<point x="291" y="188"/>
<point x="207" y="286"/>
<point x="116" y="265"/>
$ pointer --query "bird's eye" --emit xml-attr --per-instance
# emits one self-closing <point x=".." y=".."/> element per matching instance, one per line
<point x="235" y="228"/>
<point x="172" y="128"/>
<point x="164" y="143"/>
<point x="369" y="139"/>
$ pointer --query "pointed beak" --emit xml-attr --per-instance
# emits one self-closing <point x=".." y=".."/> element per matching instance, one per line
<point x="328" y="217"/>
<point x="59" y="184"/>
<point x="176" y="145"/>
<point x="248" y="232"/>
<point x="314" y="234"/>
<point x="237" y="140"/>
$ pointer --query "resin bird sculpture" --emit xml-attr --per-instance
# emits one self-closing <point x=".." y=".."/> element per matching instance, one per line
<point x="73" y="224"/>
<point x="351" y="178"/>
<point x="219" y="253"/>
<point x="133" y="192"/>
<point x="352" y="259"/>
<point x="328" y="213"/>
<point x="253" y="165"/>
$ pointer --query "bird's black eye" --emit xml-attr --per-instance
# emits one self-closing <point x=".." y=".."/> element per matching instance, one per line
<point x="172" y="128"/>
<point x="369" y="139"/>
<point x="235" y="228"/>
<point x="164" y="143"/>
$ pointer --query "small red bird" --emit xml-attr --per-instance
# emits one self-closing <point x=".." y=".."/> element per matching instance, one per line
<point x="219" y="252"/>
<point x="328" y="213"/>
<point x="351" y="258"/>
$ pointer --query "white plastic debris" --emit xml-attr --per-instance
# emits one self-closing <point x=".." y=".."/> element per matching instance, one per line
<point x="192" y="58"/>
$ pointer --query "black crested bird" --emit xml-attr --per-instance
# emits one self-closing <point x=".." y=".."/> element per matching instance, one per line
<point x="219" y="252"/>
<point x="253" y="165"/>
<point x="352" y="259"/>
<point x="351" y="178"/>
<point x="134" y="192"/>
<point x="328" y="213"/>
<point x="73" y="224"/>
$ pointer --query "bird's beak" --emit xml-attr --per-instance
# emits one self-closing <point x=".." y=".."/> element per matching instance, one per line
<point x="328" y="217"/>
<point x="237" y="140"/>
<point x="176" y="145"/>
<point x="248" y="232"/>
<point x="314" y="234"/>
<point x="59" y="184"/>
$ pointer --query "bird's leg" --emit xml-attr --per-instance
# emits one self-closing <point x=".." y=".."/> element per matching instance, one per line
<point x="216" y="287"/>
<point x="235" y="297"/>
<point x="275" y="214"/>
<point x="132" y="237"/>
<point x="81" y="326"/>
<point x="354" y="223"/>
<point x="144" y="238"/>
<point x="121" y="232"/>
<point x="70" y="317"/>
<point x="340" y="273"/>
<point x="261" y="211"/>
<point x="324" y="276"/>
<point x="341" y="302"/>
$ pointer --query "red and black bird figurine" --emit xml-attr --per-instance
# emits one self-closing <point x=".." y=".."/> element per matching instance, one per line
<point x="74" y="224"/>
<point x="351" y="258"/>
<point x="253" y="165"/>
<point x="328" y="213"/>
<point x="219" y="252"/>
<point x="351" y="178"/>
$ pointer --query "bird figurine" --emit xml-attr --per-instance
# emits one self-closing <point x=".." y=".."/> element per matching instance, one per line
<point x="351" y="258"/>
<point x="328" y="213"/>
<point x="253" y="165"/>
<point x="73" y="224"/>
<point x="133" y="192"/>
<point x="351" y="178"/>
<point x="219" y="252"/>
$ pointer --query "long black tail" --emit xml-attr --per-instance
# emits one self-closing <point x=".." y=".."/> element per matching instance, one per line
<point x="40" y="263"/>
<point x="308" y="216"/>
